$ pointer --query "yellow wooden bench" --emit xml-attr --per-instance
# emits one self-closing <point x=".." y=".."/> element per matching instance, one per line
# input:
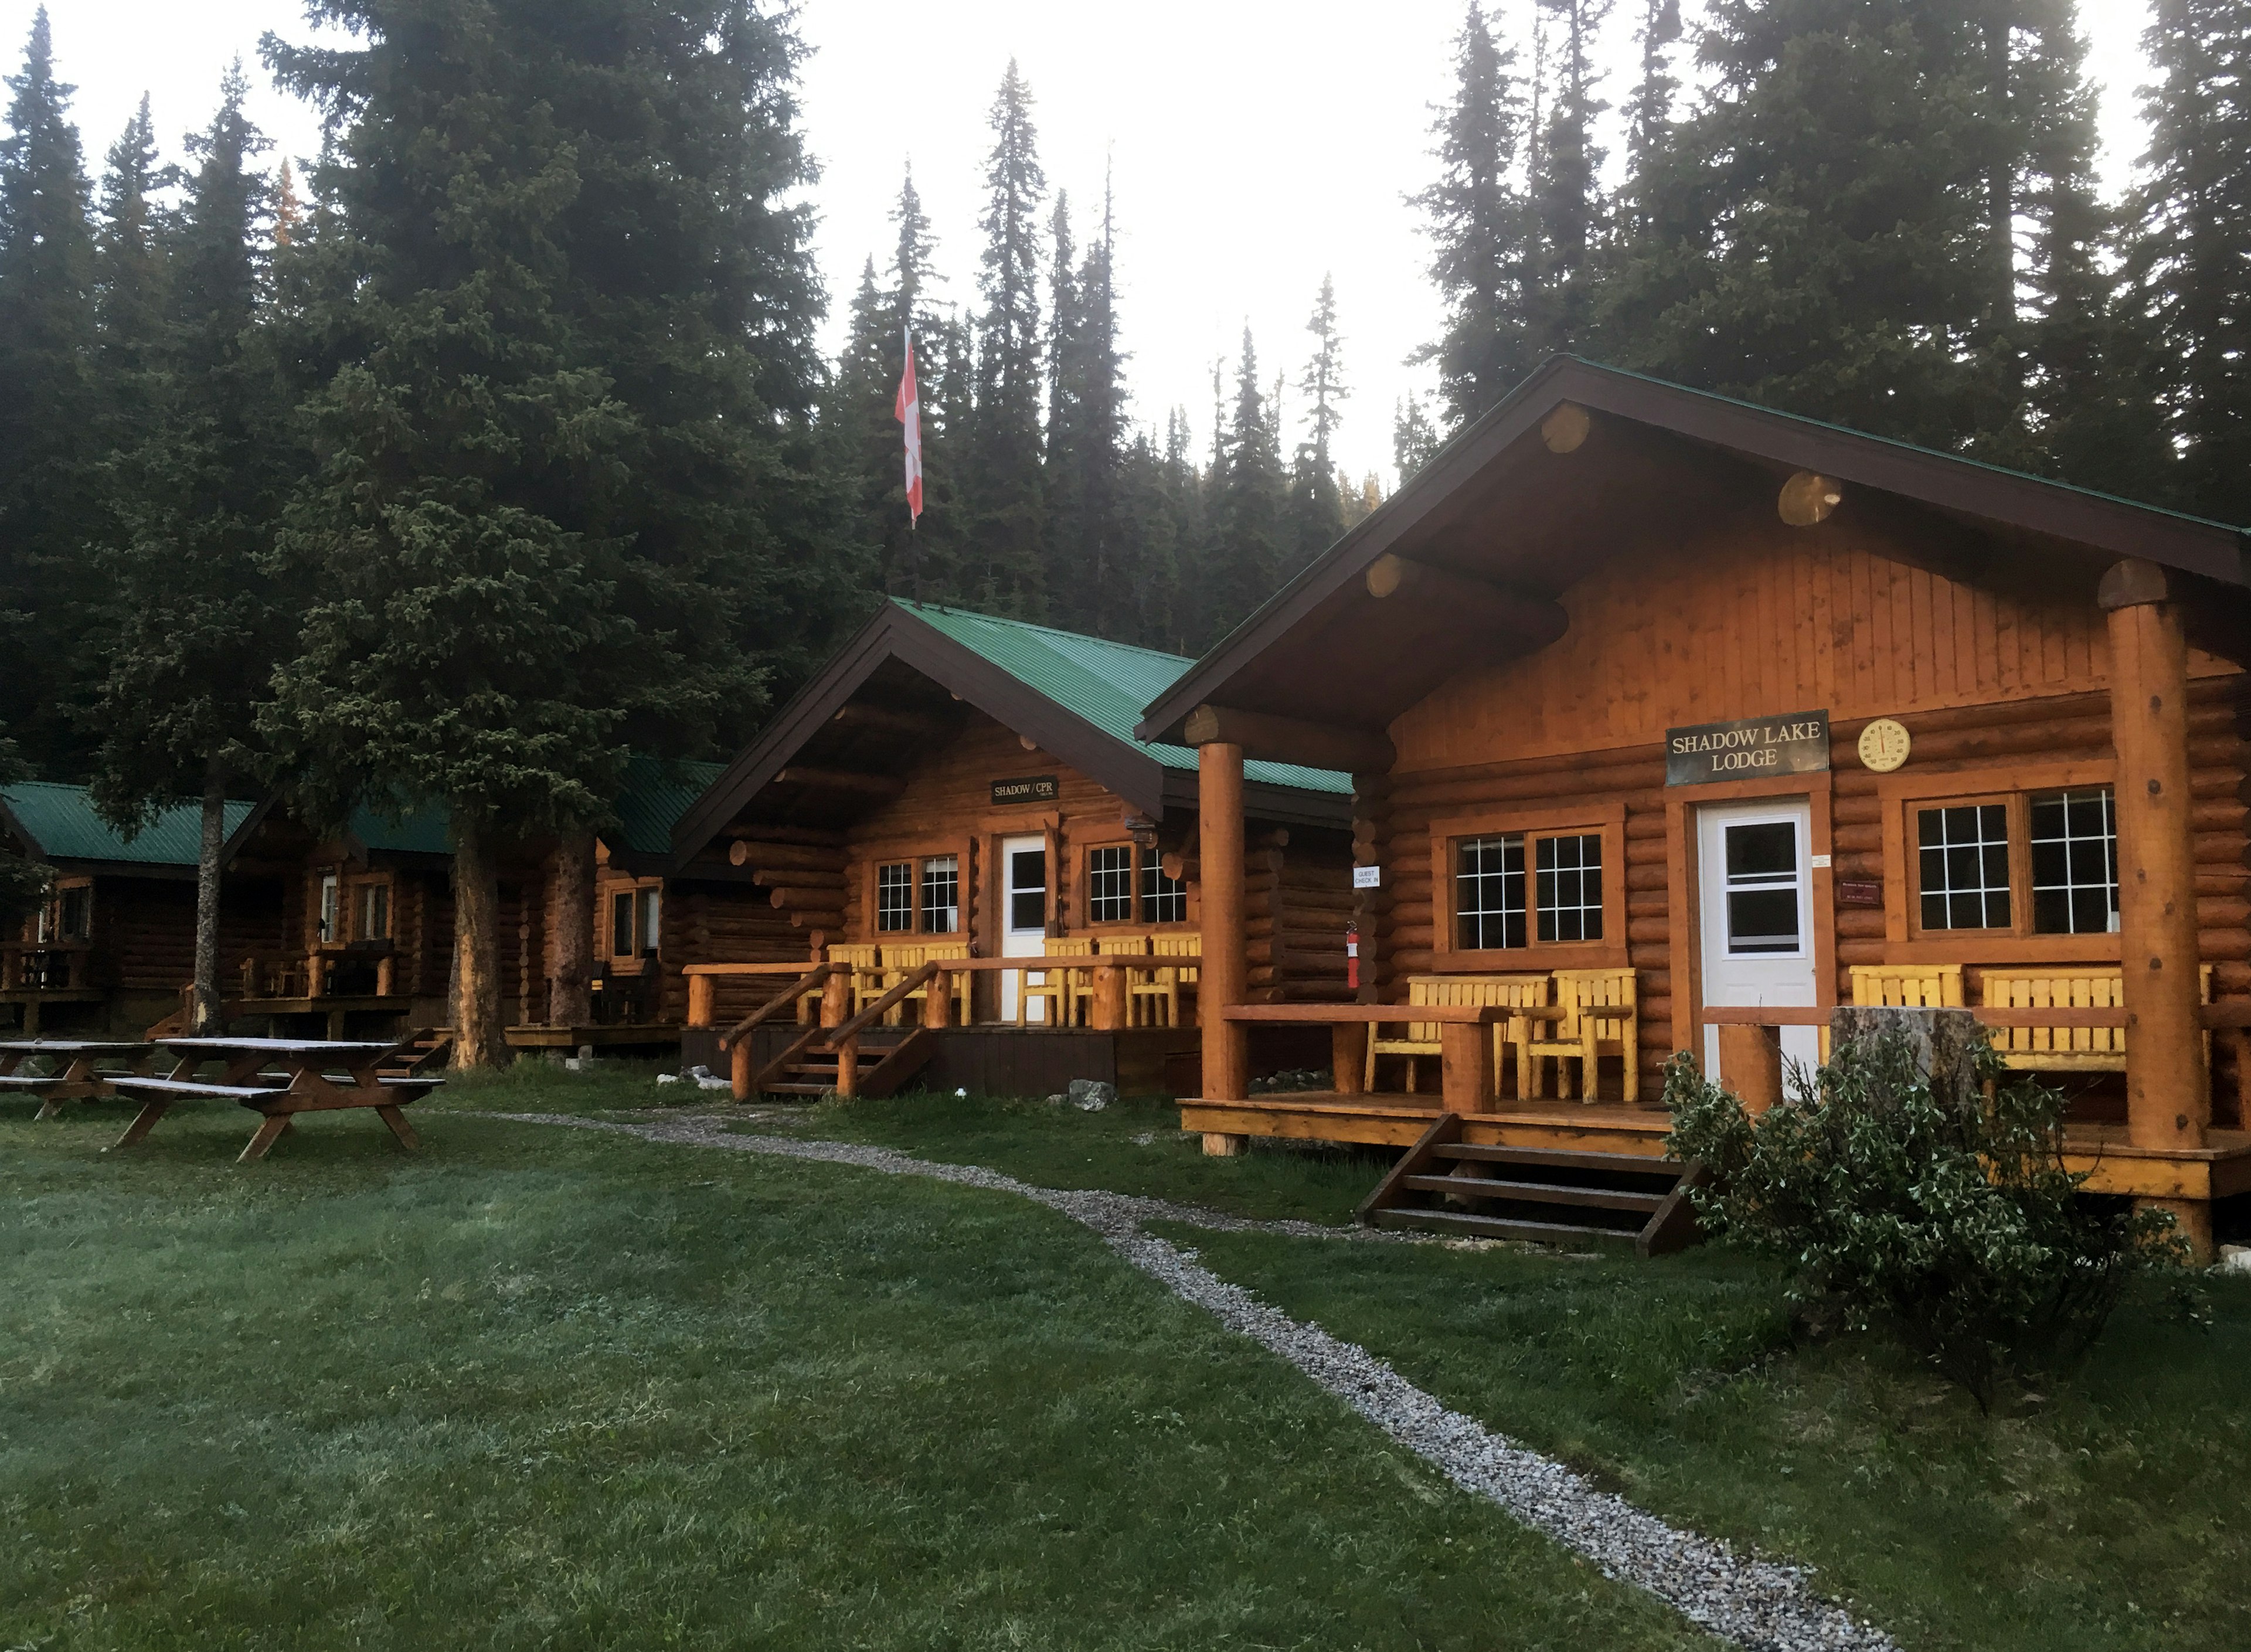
<point x="866" y="964"/>
<point x="1153" y="997"/>
<point x="1054" y="985"/>
<point x="1908" y="986"/>
<point x="1604" y="1019"/>
<point x="2066" y="1049"/>
<point x="899" y="962"/>
<point x="1422" y="1038"/>
<point x="1082" y="989"/>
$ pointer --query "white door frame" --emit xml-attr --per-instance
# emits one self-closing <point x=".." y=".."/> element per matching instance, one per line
<point x="1766" y="977"/>
<point x="1023" y="943"/>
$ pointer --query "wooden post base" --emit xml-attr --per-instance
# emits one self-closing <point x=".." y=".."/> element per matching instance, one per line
<point x="1219" y="1145"/>
<point x="1750" y="1065"/>
<point x="2191" y="1220"/>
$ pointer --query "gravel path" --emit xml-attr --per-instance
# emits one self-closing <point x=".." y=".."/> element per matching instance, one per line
<point x="1753" y="1603"/>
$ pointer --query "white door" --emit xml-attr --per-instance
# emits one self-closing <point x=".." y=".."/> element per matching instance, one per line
<point x="1024" y="916"/>
<point x="1755" y="863"/>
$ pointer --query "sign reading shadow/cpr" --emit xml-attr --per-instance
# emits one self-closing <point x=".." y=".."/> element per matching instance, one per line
<point x="1748" y="749"/>
<point x="1036" y="788"/>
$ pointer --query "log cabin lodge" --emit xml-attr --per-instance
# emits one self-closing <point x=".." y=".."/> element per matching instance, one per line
<point x="1674" y="722"/>
<point x="959" y="789"/>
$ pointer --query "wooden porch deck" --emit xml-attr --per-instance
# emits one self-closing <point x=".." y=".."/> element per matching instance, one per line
<point x="1394" y="1120"/>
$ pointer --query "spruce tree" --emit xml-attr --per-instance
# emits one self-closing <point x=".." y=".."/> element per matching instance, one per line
<point x="129" y="280"/>
<point x="1565" y="204"/>
<point x="1816" y="237"/>
<point x="1004" y="537"/>
<point x="1247" y="531"/>
<point x="1413" y="438"/>
<point x="1070" y="598"/>
<point x="196" y="622"/>
<point x="1648" y="117"/>
<point x="1316" y="506"/>
<point x="2191" y="254"/>
<point x="566" y="505"/>
<point x="49" y="491"/>
<point x="1480" y="228"/>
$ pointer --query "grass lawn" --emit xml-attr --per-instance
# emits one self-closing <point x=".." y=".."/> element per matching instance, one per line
<point x="2109" y="1514"/>
<point x="547" y="1388"/>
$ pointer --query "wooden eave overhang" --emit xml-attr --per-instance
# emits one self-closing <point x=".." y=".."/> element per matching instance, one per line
<point x="1497" y="507"/>
<point x="897" y="633"/>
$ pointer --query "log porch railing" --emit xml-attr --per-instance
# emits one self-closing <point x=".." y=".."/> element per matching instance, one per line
<point x="838" y="1033"/>
<point x="46" y="966"/>
<point x="1465" y="1041"/>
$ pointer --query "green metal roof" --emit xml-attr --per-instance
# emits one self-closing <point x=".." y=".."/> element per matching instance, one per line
<point x="1107" y="683"/>
<point x="656" y="794"/>
<point x="62" y="825"/>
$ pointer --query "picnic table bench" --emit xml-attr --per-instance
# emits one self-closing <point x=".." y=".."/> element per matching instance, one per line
<point x="75" y="1078"/>
<point x="304" y="1085"/>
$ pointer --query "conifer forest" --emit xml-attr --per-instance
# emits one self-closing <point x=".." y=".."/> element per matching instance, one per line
<point x="497" y="445"/>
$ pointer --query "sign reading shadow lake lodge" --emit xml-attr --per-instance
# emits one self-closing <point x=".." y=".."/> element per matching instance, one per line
<point x="1748" y="749"/>
<point x="1037" y="789"/>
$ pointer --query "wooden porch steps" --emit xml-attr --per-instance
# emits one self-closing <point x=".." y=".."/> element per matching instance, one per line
<point x="889" y="1056"/>
<point x="421" y="1050"/>
<point x="1549" y="1195"/>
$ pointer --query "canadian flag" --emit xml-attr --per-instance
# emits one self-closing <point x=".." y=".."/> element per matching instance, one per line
<point x="909" y="413"/>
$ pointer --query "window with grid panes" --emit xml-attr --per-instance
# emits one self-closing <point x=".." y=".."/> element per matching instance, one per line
<point x="1963" y="850"/>
<point x="895" y="897"/>
<point x="941" y="895"/>
<point x="1568" y="893"/>
<point x="1489" y="892"/>
<point x="2074" y="845"/>
<point x="1163" y="900"/>
<point x="1110" y="884"/>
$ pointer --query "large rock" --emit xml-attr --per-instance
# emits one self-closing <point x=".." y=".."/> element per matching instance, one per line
<point x="1946" y="1043"/>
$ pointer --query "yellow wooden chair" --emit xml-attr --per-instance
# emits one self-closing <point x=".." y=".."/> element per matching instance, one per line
<point x="1604" y="1019"/>
<point x="1422" y="1037"/>
<point x="2066" y="1049"/>
<point x="867" y="966"/>
<point x="1153" y="998"/>
<point x="1054" y="985"/>
<point x="1908" y="986"/>
<point x="899" y="962"/>
<point x="1082" y="991"/>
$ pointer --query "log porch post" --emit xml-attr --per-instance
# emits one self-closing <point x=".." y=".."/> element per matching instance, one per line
<point x="1225" y="968"/>
<point x="2168" y="1085"/>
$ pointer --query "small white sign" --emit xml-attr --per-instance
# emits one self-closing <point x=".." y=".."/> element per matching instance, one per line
<point x="1820" y="863"/>
<point x="1367" y="877"/>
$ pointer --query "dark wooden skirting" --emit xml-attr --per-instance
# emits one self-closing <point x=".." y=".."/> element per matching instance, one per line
<point x="999" y="1061"/>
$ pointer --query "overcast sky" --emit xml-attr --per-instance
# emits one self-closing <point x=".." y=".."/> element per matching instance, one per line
<point x="1255" y="146"/>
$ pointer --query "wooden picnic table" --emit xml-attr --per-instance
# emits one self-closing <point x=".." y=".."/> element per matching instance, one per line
<point x="75" y="1078"/>
<point x="304" y="1085"/>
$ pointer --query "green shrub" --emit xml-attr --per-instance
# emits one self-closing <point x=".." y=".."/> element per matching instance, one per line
<point x="1951" y="1221"/>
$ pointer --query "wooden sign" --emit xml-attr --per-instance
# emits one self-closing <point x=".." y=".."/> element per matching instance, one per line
<point x="1853" y="892"/>
<point x="1749" y="749"/>
<point x="1036" y="788"/>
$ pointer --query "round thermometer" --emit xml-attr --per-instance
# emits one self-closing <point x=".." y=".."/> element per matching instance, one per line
<point x="1884" y="745"/>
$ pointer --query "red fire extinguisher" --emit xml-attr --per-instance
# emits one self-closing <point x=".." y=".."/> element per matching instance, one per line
<point x="1352" y="956"/>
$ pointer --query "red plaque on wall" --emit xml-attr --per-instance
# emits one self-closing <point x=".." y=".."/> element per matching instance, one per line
<point x="1858" y="893"/>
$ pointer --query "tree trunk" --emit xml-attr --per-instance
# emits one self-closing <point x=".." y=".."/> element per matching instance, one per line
<point x="203" y="1015"/>
<point x="479" y="1037"/>
<point x="574" y="930"/>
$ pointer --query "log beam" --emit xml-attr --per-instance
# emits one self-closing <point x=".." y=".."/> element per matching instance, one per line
<point x="1224" y="969"/>
<point x="1501" y="617"/>
<point x="839" y="780"/>
<point x="2168" y="1087"/>
<point x="1288" y="739"/>
<point x="882" y="719"/>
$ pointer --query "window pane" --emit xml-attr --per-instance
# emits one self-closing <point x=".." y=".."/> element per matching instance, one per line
<point x="1163" y="900"/>
<point x="895" y="897"/>
<point x="1110" y="884"/>
<point x="2075" y="843"/>
<point x="651" y="918"/>
<point x="1027" y="888"/>
<point x="941" y="895"/>
<point x="622" y="924"/>
<point x="1763" y="920"/>
<point x="1569" y="874"/>
<point x="1489" y="892"/>
<point x="1766" y="849"/>
<point x="1964" y="855"/>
